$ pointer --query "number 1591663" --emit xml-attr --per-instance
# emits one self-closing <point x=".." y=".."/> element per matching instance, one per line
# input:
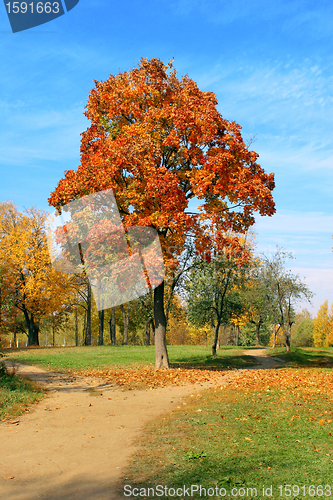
<point x="31" y="8"/>
<point x="289" y="490"/>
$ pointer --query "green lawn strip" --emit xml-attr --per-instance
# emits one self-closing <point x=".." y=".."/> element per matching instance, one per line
<point x="228" y="438"/>
<point x="304" y="356"/>
<point x="17" y="395"/>
<point x="99" y="357"/>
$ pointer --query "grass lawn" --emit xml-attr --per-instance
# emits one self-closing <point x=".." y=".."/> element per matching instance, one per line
<point x="99" y="357"/>
<point x="132" y="367"/>
<point x="305" y="356"/>
<point x="16" y="395"/>
<point x="270" y="427"/>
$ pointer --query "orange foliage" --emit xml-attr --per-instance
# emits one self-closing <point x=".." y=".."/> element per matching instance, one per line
<point x="143" y="377"/>
<point x="158" y="142"/>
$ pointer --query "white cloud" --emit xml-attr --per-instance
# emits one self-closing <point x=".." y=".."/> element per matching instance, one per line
<point x="294" y="222"/>
<point x="41" y="135"/>
<point x="319" y="281"/>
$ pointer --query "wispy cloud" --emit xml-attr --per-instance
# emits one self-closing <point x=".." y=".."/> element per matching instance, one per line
<point x="296" y="222"/>
<point x="41" y="134"/>
<point x="319" y="281"/>
<point x="307" y="235"/>
<point x="289" y="13"/>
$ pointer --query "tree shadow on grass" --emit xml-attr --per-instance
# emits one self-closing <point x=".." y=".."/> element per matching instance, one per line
<point x="56" y="487"/>
<point x="215" y="363"/>
<point x="298" y="357"/>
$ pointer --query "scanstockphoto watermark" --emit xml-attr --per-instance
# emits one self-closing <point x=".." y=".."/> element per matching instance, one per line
<point x="193" y="490"/>
<point x="121" y="264"/>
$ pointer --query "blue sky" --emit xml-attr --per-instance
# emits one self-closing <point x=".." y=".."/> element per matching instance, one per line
<point x="270" y="64"/>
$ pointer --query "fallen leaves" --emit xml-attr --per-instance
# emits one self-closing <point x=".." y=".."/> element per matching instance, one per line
<point x="147" y="378"/>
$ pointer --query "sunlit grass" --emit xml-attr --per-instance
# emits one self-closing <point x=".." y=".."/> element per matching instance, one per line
<point x="267" y="428"/>
<point x="99" y="357"/>
<point x="16" y="395"/>
<point x="306" y="356"/>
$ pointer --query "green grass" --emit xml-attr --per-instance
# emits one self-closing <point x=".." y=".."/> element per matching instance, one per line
<point x="16" y="395"/>
<point x="306" y="356"/>
<point x="273" y="434"/>
<point x="71" y="358"/>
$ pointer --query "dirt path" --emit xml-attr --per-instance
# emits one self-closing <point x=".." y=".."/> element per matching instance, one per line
<point x="75" y="444"/>
<point x="264" y="362"/>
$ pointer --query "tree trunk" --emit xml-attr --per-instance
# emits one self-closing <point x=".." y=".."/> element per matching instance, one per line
<point x="33" y="329"/>
<point x="216" y="338"/>
<point x="76" y="329"/>
<point x="287" y="337"/>
<point x="275" y="332"/>
<point x="87" y="340"/>
<point x="53" y="333"/>
<point x="100" y="327"/>
<point x="236" y="335"/>
<point x="112" y="324"/>
<point x="152" y="338"/>
<point x="258" y="325"/>
<point x="147" y="338"/>
<point x="126" y="322"/>
<point x="161" y="353"/>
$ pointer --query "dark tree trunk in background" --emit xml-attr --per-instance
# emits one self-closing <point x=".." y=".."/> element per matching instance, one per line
<point x="161" y="353"/>
<point x="101" y="327"/>
<point x="76" y="329"/>
<point x="275" y="332"/>
<point x="87" y="340"/>
<point x="216" y="338"/>
<point x="236" y="334"/>
<point x="112" y="325"/>
<point x="33" y="328"/>
<point x="287" y="337"/>
<point x="258" y="325"/>
<point x="126" y="322"/>
<point x="147" y="338"/>
<point x="53" y="333"/>
<point x="149" y="323"/>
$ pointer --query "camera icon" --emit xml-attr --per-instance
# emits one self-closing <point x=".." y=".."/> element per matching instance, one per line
<point x="121" y="264"/>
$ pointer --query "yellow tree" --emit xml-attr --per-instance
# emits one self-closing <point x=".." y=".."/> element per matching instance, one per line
<point x="34" y="287"/>
<point x="321" y="332"/>
<point x="330" y="324"/>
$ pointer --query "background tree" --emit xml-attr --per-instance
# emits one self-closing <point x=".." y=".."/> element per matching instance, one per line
<point x="256" y="297"/>
<point x="6" y="305"/>
<point x="284" y="290"/>
<point x="323" y="327"/>
<point x="158" y="142"/>
<point x="302" y="330"/>
<point x="35" y="288"/>
<point x="212" y="293"/>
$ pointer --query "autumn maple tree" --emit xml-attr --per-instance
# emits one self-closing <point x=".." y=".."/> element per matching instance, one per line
<point x="158" y="141"/>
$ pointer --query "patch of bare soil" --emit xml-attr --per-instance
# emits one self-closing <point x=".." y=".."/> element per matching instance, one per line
<point x="76" y="443"/>
<point x="264" y="361"/>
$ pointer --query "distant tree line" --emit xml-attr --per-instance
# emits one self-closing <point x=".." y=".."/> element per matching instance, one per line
<point x="210" y="299"/>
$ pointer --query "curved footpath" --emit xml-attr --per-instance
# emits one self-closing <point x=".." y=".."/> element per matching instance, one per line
<point x="76" y="443"/>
